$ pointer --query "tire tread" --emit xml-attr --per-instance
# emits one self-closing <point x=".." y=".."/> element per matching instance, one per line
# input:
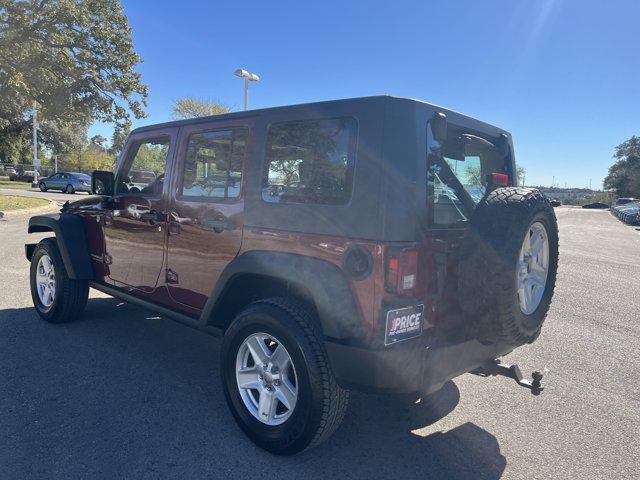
<point x="73" y="294"/>
<point x="487" y="265"/>
<point x="335" y="398"/>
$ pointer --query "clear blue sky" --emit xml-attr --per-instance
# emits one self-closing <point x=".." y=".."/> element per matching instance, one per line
<point x="563" y="76"/>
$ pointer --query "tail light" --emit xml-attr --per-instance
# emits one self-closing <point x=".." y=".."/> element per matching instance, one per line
<point x="499" y="179"/>
<point x="402" y="270"/>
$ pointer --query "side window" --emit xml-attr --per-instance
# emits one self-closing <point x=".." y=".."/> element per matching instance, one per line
<point x="213" y="164"/>
<point x="310" y="161"/>
<point x="143" y="172"/>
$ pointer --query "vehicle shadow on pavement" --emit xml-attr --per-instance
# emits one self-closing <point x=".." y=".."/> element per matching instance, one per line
<point x="123" y="393"/>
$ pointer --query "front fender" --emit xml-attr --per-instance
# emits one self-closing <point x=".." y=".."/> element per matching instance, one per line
<point x="324" y="281"/>
<point x="71" y="239"/>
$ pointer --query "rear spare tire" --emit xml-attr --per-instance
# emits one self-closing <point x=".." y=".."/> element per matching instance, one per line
<point x="508" y="267"/>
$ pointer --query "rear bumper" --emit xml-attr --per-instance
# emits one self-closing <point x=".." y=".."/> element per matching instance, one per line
<point x="420" y="365"/>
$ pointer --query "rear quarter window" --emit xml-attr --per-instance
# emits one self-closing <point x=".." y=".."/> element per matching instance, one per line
<point x="310" y="161"/>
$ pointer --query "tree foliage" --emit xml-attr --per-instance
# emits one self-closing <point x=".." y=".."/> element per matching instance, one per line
<point x="191" y="107"/>
<point x="75" y="60"/>
<point x="624" y="174"/>
<point x="521" y="172"/>
<point x="119" y="137"/>
<point x="86" y="158"/>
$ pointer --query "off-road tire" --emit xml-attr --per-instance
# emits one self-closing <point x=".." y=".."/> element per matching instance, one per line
<point x="71" y="295"/>
<point x="487" y="272"/>
<point x="43" y="187"/>
<point x="321" y="403"/>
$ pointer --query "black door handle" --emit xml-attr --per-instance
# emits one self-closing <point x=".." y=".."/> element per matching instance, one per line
<point x="219" y="225"/>
<point x="153" y="217"/>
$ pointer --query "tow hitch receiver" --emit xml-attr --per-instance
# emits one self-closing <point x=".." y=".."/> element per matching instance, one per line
<point x="495" y="367"/>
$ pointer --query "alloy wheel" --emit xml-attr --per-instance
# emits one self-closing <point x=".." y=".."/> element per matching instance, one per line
<point x="46" y="281"/>
<point x="532" y="268"/>
<point x="266" y="379"/>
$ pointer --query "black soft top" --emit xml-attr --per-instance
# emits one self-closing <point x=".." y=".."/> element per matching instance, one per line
<point x="389" y="192"/>
<point x="323" y="105"/>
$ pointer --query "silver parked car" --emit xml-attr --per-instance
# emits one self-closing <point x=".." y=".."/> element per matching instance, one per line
<point x="68" y="182"/>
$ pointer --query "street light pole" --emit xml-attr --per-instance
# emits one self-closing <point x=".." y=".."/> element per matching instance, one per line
<point x="246" y="94"/>
<point x="248" y="77"/>
<point x="35" y="142"/>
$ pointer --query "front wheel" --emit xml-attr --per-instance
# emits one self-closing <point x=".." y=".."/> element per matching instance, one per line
<point x="277" y="379"/>
<point x="56" y="297"/>
<point x="43" y="187"/>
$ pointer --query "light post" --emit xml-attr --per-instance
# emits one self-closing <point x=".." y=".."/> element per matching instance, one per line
<point x="36" y="163"/>
<point x="248" y="77"/>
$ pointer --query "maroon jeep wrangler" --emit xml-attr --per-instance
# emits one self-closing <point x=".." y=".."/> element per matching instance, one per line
<point x="375" y="243"/>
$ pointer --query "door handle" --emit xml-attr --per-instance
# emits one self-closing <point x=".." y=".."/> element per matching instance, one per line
<point x="153" y="217"/>
<point x="219" y="225"/>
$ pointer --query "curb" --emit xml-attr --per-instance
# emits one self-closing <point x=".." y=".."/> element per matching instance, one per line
<point x="52" y="207"/>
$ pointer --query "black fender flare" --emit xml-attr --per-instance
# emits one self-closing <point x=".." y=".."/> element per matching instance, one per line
<point x="325" y="282"/>
<point x="71" y="239"/>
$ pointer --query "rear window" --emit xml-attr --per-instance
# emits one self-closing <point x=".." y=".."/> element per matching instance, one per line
<point x="310" y="161"/>
<point x="458" y="174"/>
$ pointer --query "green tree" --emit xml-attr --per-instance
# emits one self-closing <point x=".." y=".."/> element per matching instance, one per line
<point x="73" y="58"/>
<point x="119" y="137"/>
<point x="151" y="157"/>
<point x="61" y="137"/>
<point x="474" y="176"/>
<point x="521" y="172"/>
<point x="15" y="145"/>
<point x="85" y="158"/>
<point x="97" y="142"/>
<point x="191" y="107"/>
<point x="624" y="174"/>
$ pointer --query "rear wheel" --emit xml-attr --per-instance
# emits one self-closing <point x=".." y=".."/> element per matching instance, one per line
<point x="43" y="187"/>
<point x="56" y="297"/>
<point x="277" y="379"/>
<point x="70" y="189"/>
<point x="508" y="270"/>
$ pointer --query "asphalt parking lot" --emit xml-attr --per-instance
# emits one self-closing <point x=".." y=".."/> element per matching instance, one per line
<point x="130" y="395"/>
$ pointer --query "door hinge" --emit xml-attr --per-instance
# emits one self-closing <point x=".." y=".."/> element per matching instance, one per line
<point x="172" y="277"/>
<point x="107" y="259"/>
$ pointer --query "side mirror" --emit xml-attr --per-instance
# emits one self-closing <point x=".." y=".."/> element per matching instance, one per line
<point x="102" y="183"/>
<point x="439" y="127"/>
